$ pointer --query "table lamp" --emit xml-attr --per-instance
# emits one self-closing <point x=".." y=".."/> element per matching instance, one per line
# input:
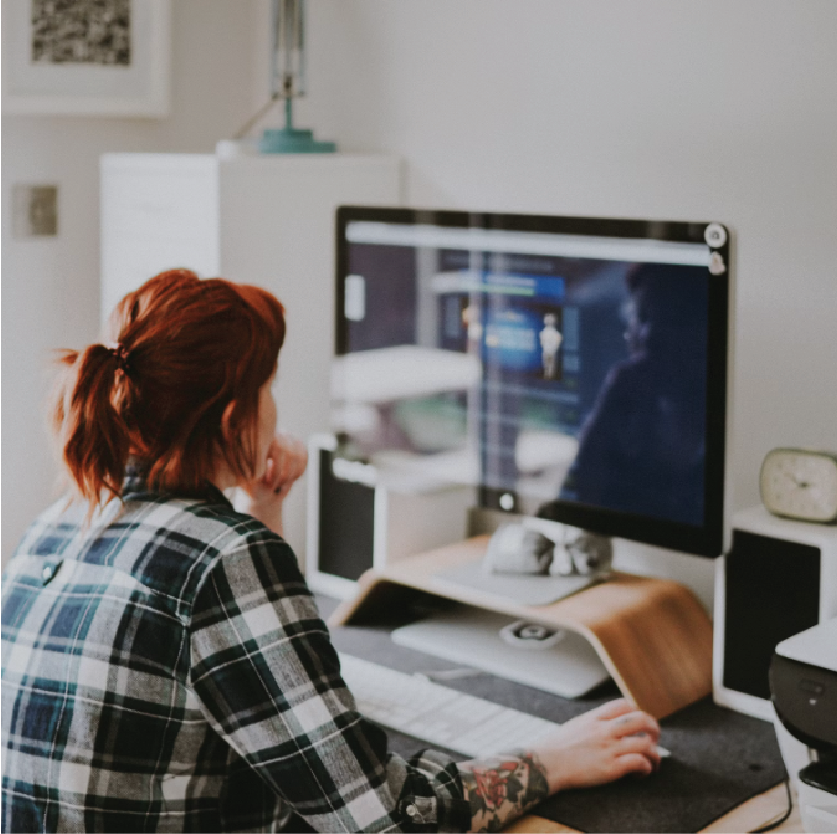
<point x="287" y="81"/>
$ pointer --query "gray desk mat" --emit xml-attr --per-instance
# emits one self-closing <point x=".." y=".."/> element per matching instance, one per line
<point x="720" y="758"/>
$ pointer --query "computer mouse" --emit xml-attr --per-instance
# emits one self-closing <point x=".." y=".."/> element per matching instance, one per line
<point x="514" y="548"/>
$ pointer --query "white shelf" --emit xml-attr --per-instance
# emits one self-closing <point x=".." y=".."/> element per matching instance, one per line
<point x="266" y="220"/>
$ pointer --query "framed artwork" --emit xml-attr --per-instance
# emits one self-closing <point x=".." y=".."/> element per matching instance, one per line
<point x="86" y="57"/>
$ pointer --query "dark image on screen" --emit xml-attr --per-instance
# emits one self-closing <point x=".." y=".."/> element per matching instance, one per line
<point x="580" y="375"/>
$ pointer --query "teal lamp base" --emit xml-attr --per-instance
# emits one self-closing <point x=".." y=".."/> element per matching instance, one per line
<point x="290" y="139"/>
<point x="293" y="140"/>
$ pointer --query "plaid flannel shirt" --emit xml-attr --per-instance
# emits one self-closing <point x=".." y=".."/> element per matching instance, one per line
<point x="166" y="669"/>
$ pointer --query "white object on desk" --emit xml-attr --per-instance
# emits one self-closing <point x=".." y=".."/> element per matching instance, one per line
<point x="803" y="678"/>
<point x="569" y="668"/>
<point x="500" y="588"/>
<point x="416" y="706"/>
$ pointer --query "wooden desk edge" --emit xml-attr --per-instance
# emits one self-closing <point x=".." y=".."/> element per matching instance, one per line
<point x="747" y="816"/>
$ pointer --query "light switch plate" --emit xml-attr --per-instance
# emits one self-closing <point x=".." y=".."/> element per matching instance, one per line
<point x="34" y="210"/>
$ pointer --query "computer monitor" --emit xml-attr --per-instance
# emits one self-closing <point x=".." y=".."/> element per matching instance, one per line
<point x="570" y="368"/>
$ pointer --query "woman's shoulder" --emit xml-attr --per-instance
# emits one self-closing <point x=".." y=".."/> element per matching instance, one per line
<point x="245" y="561"/>
<point x="166" y="544"/>
<point x="184" y="538"/>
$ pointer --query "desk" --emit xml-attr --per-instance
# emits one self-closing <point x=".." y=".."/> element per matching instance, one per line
<point x="661" y="792"/>
<point x="747" y="817"/>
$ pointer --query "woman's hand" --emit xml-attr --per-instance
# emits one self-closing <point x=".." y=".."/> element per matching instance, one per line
<point x="287" y="458"/>
<point x="606" y="743"/>
<point x="602" y="745"/>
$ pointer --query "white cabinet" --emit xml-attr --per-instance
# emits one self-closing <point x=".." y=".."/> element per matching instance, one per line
<point x="266" y="220"/>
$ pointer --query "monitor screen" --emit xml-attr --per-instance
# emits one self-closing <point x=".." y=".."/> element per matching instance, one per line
<point x="570" y="368"/>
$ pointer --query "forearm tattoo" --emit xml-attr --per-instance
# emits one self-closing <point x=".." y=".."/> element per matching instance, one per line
<point x="500" y="790"/>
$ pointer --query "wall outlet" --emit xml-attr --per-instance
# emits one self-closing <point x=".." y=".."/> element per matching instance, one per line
<point x="34" y="210"/>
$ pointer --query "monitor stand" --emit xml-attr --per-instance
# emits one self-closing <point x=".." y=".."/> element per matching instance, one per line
<point x="652" y="635"/>
<point x="555" y="660"/>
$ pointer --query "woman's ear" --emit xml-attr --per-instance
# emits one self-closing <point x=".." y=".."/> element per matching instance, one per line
<point x="226" y="423"/>
<point x="225" y="468"/>
<point x="236" y="442"/>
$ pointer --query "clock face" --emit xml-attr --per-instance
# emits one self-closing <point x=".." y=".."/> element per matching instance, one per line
<point x="797" y="483"/>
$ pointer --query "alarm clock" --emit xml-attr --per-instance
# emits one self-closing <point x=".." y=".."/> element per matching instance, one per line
<point x="800" y="484"/>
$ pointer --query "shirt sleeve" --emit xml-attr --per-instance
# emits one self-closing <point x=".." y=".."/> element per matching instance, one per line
<point x="268" y="679"/>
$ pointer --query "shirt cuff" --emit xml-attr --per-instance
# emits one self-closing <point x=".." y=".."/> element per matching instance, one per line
<point x="445" y="809"/>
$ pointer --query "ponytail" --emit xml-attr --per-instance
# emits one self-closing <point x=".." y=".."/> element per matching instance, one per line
<point x="93" y="435"/>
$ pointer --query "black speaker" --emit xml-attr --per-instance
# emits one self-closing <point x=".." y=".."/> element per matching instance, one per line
<point x="361" y="516"/>
<point x="346" y="522"/>
<point x="779" y="578"/>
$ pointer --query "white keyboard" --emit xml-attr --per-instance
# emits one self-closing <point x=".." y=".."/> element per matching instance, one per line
<point x="437" y="714"/>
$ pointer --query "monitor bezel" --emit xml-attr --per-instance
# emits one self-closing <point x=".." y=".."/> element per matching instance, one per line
<point x="708" y="539"/>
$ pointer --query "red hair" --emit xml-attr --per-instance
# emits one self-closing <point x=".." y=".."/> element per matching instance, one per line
<point x="178" y="389"/>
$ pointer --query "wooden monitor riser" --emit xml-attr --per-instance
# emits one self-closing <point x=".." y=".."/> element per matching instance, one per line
<point x="653" y="635"/>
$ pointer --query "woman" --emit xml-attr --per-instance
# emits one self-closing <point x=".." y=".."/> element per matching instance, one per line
<point x="164" y="664"/>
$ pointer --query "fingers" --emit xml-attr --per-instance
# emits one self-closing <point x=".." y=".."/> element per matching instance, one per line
<point x="287" y="460"/>
<point x="613" y="709"/>
<point x="606" y="743"/>
<point x="645" y="745"/>
<point x="636" y="723"/>
<point x="635" y="733"/>
<point x="634" y="763"/>
<point x="624" y="719"/>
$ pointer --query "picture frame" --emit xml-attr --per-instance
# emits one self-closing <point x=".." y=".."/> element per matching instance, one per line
<point x="86" y="57"/>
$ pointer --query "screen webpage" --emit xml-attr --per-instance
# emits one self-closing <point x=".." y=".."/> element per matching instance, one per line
<point x="550" y="366"/>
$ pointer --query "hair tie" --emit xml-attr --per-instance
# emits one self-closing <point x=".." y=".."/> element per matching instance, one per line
<point x="122" y="355"/>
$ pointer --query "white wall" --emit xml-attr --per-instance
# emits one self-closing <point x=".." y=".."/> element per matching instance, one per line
<point x="700" y="110"/>
<point x="51" y="286"/>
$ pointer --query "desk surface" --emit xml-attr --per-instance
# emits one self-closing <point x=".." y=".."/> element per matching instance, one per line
<point x="747" y="816"/>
